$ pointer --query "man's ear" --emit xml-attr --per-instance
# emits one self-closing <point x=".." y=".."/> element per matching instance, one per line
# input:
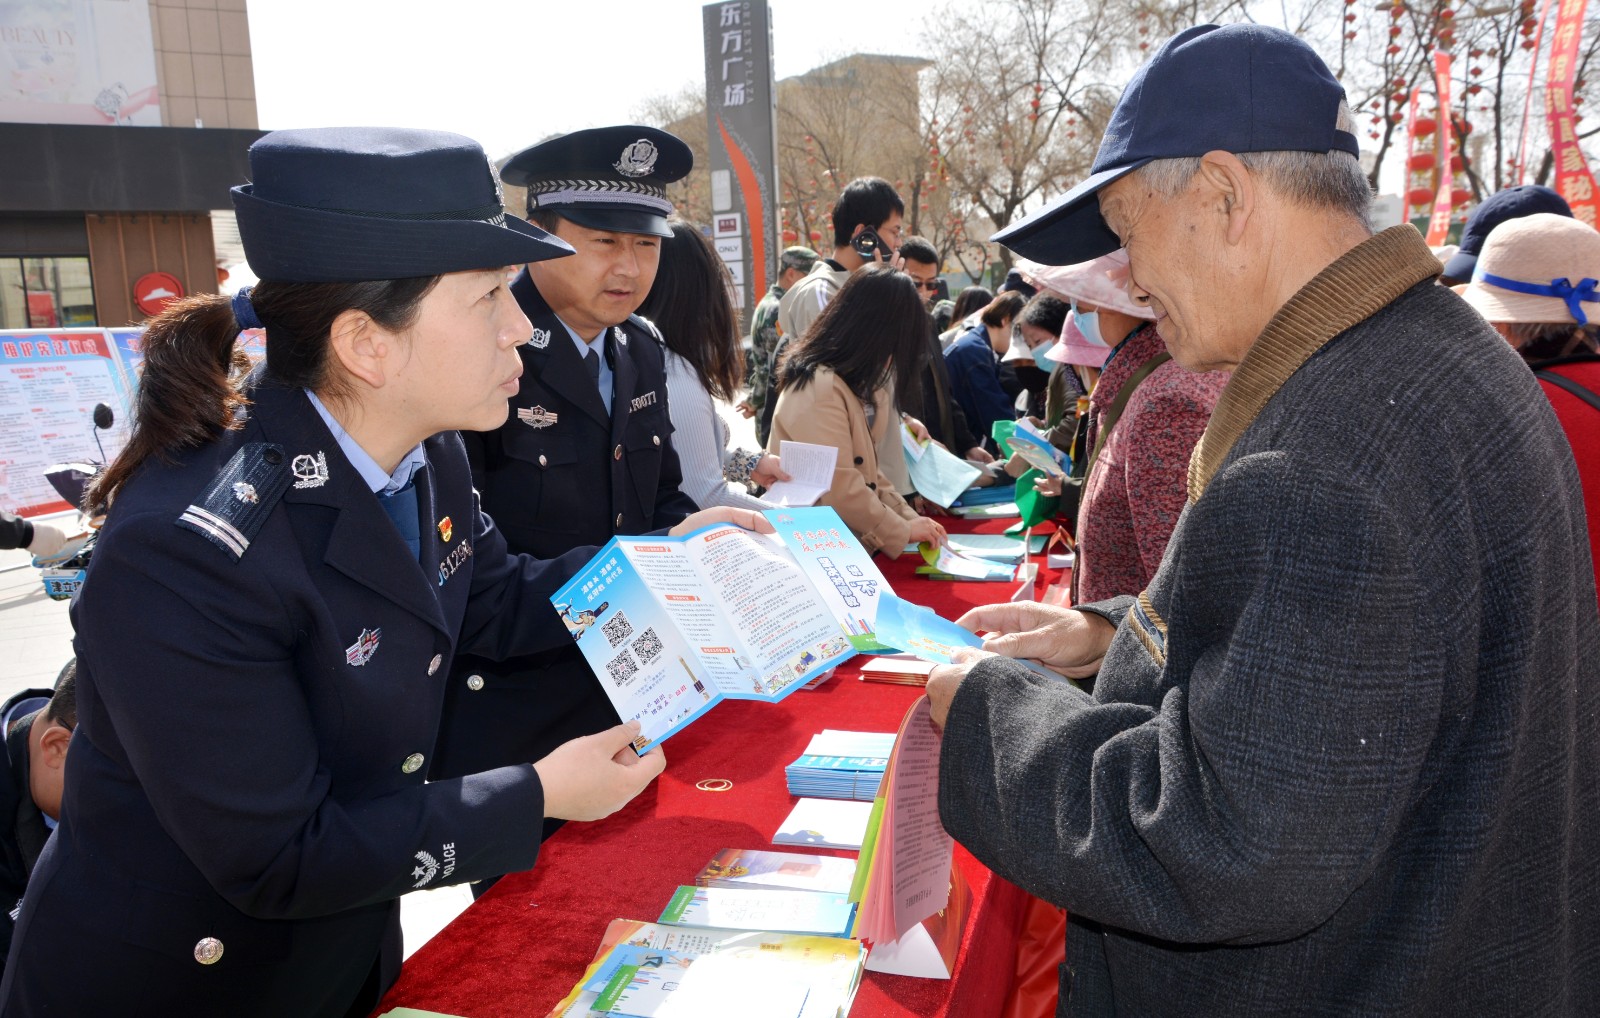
<point x="361" y="348"/>
<point x="1232" y="189"/>
<point x="858" y="229"/>
<point x="53" y="743"/>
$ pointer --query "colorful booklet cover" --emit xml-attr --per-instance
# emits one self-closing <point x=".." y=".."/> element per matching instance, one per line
<point x="777" y="871"/>
<point x="673" y="625"/>
<point x="643" y="970"/>
<point x="825" y="823"/>
<point x="1027" y="442"/>
<point x="747" y="908"/>
<point x="841" y="765"/>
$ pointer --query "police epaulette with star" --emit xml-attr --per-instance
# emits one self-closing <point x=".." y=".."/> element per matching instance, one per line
<point x="241" y="498"/>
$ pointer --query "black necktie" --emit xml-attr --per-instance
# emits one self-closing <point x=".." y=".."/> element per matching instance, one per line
<point x="401" y="507"/>
<point x="591" y="360"/>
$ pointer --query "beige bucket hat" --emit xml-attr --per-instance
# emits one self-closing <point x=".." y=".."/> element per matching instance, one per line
<point x="1540" y="268"/>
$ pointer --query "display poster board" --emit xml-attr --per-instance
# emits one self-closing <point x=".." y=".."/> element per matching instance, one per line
<point x="49" y="384"/>
<point x="78" y="62"/>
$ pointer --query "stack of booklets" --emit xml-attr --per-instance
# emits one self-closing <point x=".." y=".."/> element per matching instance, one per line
<point x="745" y="908"/>
<point x="656" y="970"/>
<point x="841" y="765"/>
<point x="760" y="870"/>
<point x="900" y="669"/>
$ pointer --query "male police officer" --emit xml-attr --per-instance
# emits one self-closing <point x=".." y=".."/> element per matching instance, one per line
<point x="586" y="450"/>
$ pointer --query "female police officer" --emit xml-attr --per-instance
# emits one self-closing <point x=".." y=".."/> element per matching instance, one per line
<point x="285" y="575"/>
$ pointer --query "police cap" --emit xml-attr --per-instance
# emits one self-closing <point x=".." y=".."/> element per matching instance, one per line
<point x="605" y="178"/>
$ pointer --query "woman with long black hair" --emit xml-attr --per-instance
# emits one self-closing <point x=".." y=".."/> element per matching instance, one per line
<point x="833" y="390"/>
<point x="288" y="565"/>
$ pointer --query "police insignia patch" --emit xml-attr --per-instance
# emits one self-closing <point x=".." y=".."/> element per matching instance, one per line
<point x="637" y="159"/>
<point x="246" y="493"/>
<point x="445" y="530"/>
<point x="537" y="417"/>
<point x="621" y="337"/>
<point x="310" y="471"/>
<point x="540" y="339"/>
<point x="366" y="645"/>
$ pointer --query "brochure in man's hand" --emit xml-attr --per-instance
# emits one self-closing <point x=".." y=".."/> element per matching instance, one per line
<point x="672" y="625"/>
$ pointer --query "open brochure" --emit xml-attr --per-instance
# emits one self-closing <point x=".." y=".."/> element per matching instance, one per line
<point x="1029" y="443"/>
<point x="673" y="625"/>
<point x="810" y="470"/>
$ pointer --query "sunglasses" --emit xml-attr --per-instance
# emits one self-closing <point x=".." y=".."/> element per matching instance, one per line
<point x="930" y="285"/>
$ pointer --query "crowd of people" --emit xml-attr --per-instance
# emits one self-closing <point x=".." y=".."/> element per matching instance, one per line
<point x="1335" y="741"/>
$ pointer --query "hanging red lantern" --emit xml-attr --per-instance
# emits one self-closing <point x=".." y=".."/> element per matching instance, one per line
<point x="1350" y="18"/>
<point x="1474" y="89"/>
<point x="1394" y="31"/>
<point x="1420" y="196"/>
<point x="1422" y="162"/>
<point x="1455" y="164"/>
<point x="1460" y="196"/>
<point x="1424" y="126"/>
<point x="1397" y="12"/>
<point x="1393" y="50"/>
<point x="790" y="236"/>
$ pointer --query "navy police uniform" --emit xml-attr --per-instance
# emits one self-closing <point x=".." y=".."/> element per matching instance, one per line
<point x="262" y="654"/>
<point x="23" y="826"/>
<point x="258" y="751"/>
<point x="562" y="473"/>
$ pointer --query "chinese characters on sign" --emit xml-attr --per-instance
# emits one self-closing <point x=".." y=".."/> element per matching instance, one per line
<point x="1574" y="181"/>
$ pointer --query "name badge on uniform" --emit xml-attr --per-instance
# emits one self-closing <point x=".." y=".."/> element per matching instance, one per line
<point x="451" y="562"/>
<point x="537" y="417"/>
<point x="640" y="402"/>
<point x="540" y="339"/>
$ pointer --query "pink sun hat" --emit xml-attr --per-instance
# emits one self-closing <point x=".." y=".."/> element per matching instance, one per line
<point x="1100" y="281"/>
<point x="1075" y="348"/>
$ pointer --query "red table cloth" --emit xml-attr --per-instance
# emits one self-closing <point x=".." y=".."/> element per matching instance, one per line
<point x="519" y="949"/>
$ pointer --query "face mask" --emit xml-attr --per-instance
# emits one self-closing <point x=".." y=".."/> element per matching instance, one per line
<point x="1088" y="323"/>
<point x="1039" y="358"/>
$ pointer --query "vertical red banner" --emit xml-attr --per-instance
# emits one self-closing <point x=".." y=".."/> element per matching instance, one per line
<point x="1520" y="166"/>
<point x="1439" y="225"/>
<point x="1574" y="181"/>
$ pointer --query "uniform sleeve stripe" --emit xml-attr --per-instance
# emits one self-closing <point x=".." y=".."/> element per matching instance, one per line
<point x="218" y="530"/>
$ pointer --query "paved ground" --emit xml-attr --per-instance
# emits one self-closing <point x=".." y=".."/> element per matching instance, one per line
<point x="36" y="640"/>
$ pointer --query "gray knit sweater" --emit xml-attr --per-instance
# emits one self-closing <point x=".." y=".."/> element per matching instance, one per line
<point x="1343" y="756"/>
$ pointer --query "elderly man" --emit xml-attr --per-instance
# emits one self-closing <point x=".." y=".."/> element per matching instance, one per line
<point x="1343" y="753"/>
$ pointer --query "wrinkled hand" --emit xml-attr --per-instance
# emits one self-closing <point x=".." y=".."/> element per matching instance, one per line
<point x="746" y="410"/>
<point x="1063" y="639"/>
<point x="926" y="530"/>
<point x="978" y="454"/>
<point x="749" y="519"/>
<point x="594" y="776"/>
<point x="944" y="680"/>
<point x="926" y="508"/>
<point x="1048" y="486"/>
<point x="768" y="471"/>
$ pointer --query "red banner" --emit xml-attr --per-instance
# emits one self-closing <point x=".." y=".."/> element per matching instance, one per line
<point x="1573" y="180"/>
<point x="1521" y="163"/>
<point x="1439" y="225"/>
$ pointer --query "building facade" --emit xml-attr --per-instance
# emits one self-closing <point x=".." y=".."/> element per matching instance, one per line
<point x="123" y="123"/>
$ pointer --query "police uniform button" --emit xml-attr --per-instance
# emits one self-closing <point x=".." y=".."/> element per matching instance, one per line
<point x="543" y="462"/>
<point x="474" y="682"/>
<point x="871" y="486"/>
<point x="619" y="521"/>
<point x="412" y="765"/>
<point x="433" y="666"/>
<point x="616" y="453"/>
<point x="274" y="457"/>
<point x="859" y="461"/>
<point x="208" y="951"/>
<point x="655" y="439"/>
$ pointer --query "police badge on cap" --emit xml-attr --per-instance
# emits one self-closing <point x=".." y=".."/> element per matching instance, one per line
<point x="605" y="178"/>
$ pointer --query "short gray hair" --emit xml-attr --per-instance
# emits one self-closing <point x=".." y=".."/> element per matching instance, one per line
<point x="1330" y="180"/>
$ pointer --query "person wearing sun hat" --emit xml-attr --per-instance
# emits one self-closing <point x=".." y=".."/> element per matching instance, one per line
<point x="1536" y="282"/>
<point x="1339" y="757"/>
<point x="287" y="567"/>
<point x="1138" y="481"/>
<point x="1501" y="207"/>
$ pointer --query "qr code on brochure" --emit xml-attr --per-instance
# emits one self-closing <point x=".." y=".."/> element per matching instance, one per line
<point x="648" y="646"/>
<point x="617" y="630"/>
<point x="622" y="668"/>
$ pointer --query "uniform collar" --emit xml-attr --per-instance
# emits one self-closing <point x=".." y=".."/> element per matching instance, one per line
<point x="373" y="475"/>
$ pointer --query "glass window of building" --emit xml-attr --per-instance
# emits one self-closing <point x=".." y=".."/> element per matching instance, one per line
<point x="45" y="293"/>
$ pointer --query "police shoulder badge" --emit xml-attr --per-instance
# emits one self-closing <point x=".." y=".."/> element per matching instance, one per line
<point x="637" y="159"/>
<point x="310" y="471"/>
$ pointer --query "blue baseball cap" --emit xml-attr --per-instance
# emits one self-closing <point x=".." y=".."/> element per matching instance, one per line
<point x="1502" y="206"/>
<point x="1237" y="88"/>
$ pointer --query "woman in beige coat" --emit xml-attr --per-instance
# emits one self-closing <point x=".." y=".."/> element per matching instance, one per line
<point x="833" y="390"/>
